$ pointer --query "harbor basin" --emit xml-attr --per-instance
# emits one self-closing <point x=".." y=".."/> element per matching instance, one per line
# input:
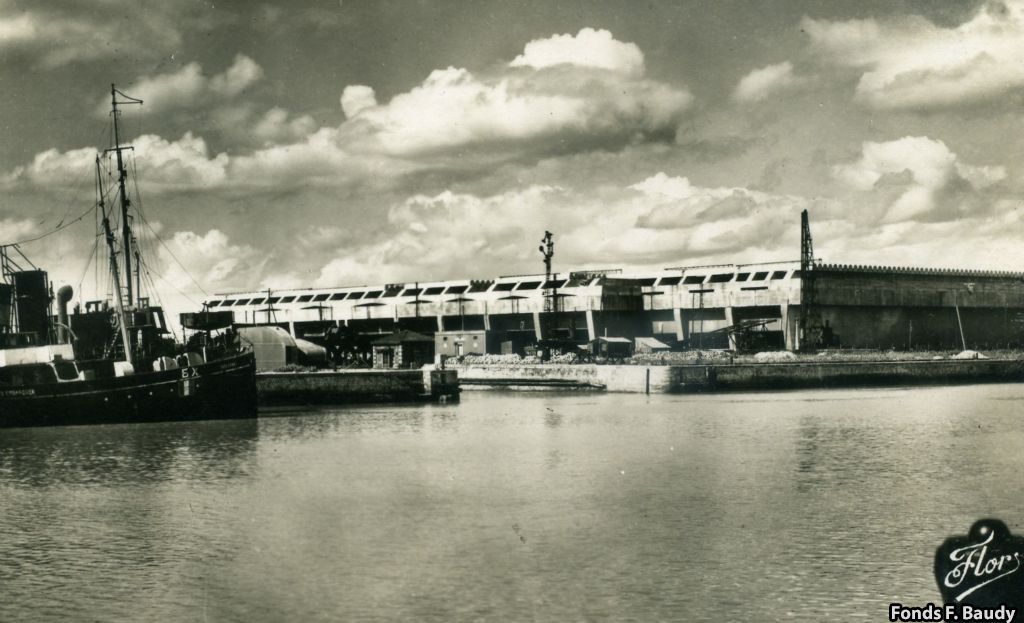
<point x="810" y="505"/>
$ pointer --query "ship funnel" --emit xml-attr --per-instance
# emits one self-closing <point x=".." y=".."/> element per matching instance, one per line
<point x="64" y="295"/>
<point x="6" y="304"/>
<point x="32" y="303"/>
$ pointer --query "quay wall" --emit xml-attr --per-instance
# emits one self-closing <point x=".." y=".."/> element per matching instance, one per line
<point x="724" y="377"/>
<point x="342" y="386"/>
<point x="634" y="379"/>
<point x="847" y="373"/>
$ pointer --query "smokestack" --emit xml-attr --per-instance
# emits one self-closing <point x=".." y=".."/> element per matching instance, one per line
<point x="63" y="296"/>
<point x="32" y="303"/>
<point x="6" y="304"/>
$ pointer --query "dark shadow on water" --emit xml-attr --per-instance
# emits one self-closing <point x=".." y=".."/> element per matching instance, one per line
<point x="127" y="453"/>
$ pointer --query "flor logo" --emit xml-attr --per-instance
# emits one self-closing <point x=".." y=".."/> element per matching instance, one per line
<point x="983" y="568"/>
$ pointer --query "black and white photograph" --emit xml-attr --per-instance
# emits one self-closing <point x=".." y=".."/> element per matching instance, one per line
<point x="511" y="310"/>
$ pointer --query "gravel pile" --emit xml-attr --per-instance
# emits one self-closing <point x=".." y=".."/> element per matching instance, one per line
<point x="969" y="354"/>
<point x="775" y="356"/>
<point x="673" y="357"/>
<point x="564" y="358"/>
<point x="490" y="360"/>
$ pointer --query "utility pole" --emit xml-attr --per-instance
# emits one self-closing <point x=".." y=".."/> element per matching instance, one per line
<point x="547" y="249"/>
<point x="959" y="323"/>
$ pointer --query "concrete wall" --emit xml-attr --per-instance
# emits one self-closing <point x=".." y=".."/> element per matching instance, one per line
<point x="917" y="288"/>
<point x="923" y="327"/>
<point x="344" y="386"/>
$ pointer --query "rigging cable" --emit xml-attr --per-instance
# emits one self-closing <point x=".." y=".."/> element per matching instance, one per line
<point x="92" y="255"/>
<point x="149" y="276"/>
<point x="55" y="230"/>
<point x="62" y="223"/>
<point x="142" y="217"/>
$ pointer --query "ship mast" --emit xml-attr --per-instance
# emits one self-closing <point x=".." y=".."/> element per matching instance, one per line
<point x="122" y="175"/>
<point x="118" y="303"/>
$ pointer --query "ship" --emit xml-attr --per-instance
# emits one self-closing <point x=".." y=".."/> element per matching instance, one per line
<point x="111" y="363"/>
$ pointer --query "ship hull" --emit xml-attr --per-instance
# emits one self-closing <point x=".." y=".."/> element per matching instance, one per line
<point x="221" y="389"/>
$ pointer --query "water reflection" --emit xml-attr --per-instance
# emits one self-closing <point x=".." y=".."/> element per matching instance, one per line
<point x="446" y="420"/>
<point x="332" y="420"/>
<point x="830" y="455"/>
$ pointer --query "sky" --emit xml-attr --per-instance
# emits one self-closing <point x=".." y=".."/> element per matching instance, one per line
<point x="317" y="143"/>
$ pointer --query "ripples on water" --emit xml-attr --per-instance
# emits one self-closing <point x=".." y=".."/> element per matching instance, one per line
<point x="802" y="506"/>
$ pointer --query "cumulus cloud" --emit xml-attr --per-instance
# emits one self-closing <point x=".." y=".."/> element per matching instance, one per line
<point x="243" y="72"/>
<point x="989" y="241"/>
<point x="720" y="220"/>
<point x="278" y="126"/>
<point x="578" y="104"/>
<point x="212" y="260"/>
<point x="659" y="221"/>
<point x="929" y="180"/>
<point x="444" y="233"/>
<point x="357" y="97"/>
<point x="911" y="63"/>
<point x="554" y="98"/>
<point x="319" y="159"/>
<point x="530" y="108"/>
<point x="453" y="108"/>
<point x="54" y="167"/>
<point x="565" y="90"/>
<point x="188" y="163"/>
<point x="185" y="162"/>
<point x="760" y="83"/>
<point x="587" y="48"/>
<point x="189" y="87"/>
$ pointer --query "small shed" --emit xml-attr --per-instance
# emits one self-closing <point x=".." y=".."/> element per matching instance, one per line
<point x="403" y="349"/>
<point x="611" y="347"/>
<point x="650" y="345"/>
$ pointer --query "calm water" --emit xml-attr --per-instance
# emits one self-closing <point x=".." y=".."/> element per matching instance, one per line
<point x="801" y="506"/>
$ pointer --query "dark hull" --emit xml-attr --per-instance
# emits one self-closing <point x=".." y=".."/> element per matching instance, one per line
<point x="222" y="389"/>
